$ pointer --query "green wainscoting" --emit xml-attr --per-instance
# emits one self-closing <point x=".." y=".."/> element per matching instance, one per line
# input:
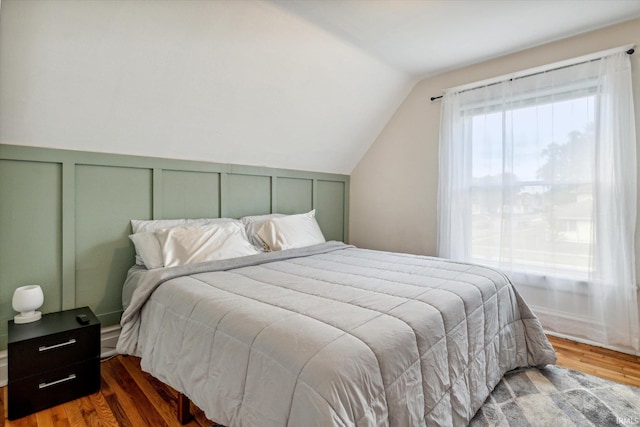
<point x="190" y="194"/>
<point x="247" y="195"/>
<point x="64" y="215"/>
<point x="331" y="208"/>
<point x="294" y="195"/>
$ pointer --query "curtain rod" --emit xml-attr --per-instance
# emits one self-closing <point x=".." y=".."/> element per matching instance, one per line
<point x="538" y="70"/>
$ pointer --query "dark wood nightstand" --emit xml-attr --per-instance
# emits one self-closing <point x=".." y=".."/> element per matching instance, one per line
<point x="52" y="360"/>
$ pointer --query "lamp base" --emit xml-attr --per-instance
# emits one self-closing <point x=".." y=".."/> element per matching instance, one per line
<point x="27" y="317"/>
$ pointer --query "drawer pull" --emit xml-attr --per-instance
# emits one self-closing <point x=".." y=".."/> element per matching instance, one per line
<point x="51" y="347"/>
<point x="45" y="385"/>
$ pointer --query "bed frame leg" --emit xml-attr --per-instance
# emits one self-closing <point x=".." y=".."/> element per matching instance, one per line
<point x="184" y="414"/>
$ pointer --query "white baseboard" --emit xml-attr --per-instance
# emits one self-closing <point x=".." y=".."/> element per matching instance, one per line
<point x="583" y="329"/>
<point x="625" y="350"/>
<point x="108" y="339"/>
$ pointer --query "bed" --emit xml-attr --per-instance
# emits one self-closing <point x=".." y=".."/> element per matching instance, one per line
<point x="330" y="335"/>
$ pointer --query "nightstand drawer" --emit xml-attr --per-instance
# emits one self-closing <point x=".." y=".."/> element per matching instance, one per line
<point x="45" y="353"/>
<point x="44" y="390"/>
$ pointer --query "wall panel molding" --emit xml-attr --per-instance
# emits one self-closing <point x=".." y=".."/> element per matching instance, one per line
<point x="78" y="205"/>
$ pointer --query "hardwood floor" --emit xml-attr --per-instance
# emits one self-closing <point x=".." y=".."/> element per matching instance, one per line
<point x="130" y="397"/>
<point x="601" y="362"/>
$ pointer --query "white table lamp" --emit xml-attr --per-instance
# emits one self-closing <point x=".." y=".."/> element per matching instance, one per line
<point x="26" y="300"/>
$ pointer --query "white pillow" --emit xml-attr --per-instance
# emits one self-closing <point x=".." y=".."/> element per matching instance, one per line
<point x="292" y="231"/>
<point x="253" y="223"/>
<point x="142" y="225"/>
<point x="146" y="245"/>
<point x="148" y="250"/>
<point x="190" y="245"/>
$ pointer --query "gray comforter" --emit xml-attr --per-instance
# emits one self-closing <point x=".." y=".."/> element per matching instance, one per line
<point x="331" y="335"/>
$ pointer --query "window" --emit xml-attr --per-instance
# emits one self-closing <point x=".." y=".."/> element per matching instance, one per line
<point x="546" y="192"/>
<point x="538" y="178"/>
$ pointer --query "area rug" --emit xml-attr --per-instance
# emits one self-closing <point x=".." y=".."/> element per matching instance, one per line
<point x="558" y="397"/>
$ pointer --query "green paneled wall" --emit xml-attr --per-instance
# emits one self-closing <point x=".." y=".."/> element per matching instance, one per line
<point x="107" y="198"/>
<point x="247" y="195"/>
<point x="64" y="215"/>
<point x="30" y="237"/>
<point x="331" y="211"/>
<point x="190" y="194"/>
<point x="294" y="195"/>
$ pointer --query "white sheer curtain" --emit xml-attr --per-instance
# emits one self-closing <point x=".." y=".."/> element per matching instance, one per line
<point x="538" y="178"/>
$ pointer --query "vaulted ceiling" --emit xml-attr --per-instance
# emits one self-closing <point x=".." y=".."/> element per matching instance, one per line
<point x="303" y="84"/>
<point x="426" y="37"/>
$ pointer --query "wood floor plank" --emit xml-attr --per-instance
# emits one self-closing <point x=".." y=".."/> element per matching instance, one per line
<point x="124" y="408"/>
<point x="118" y="412"/>
<point x="601" y="362"/>
<point x="610" y="364"/>
<point x="74" y="414"/>
<point x="130" y="397"/>
<point x="45" y="419"/>
<point x="158" y="402"/>
<point x="28" y="421"/>
<point x="59" y="415"/>
<point x="88" y="410"/>
<point x="103" y="411"/>
<point x="144" y="406"/>
<point x="169" y="396"/>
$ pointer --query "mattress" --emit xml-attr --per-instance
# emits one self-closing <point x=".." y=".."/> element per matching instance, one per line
<point x="331" y="335"/>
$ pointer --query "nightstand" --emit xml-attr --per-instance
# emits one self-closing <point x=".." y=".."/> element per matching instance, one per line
<point x="52" y="360"/>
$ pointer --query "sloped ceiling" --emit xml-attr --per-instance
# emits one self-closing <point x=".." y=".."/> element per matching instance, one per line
<point x="226" y="81"/>
<point x="427" y="37"/>
<point x="300" y="84"/>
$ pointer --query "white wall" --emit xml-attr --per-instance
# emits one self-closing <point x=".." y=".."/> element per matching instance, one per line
<point x="225" y="81"/>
